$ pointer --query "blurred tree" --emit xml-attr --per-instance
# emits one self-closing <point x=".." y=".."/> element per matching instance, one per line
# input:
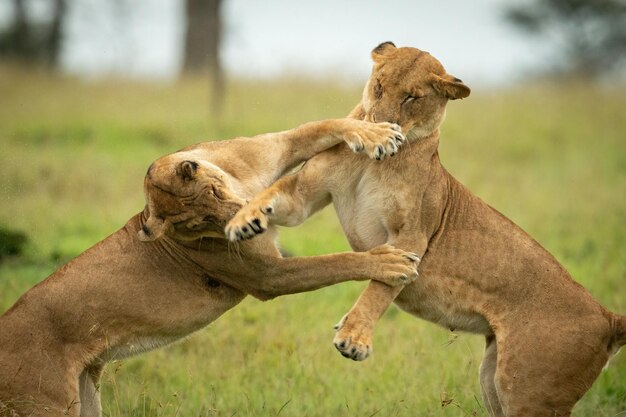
<point x="54" y="38"/>
<point x="15" y="39"/>
<point x="12" y="243"/>
<point x="31" y="42"/>
<point x="592" y="33"/>
<point x="202" y="44"/>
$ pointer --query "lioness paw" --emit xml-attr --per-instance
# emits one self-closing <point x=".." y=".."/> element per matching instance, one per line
<point x="393" y="266"/>
<point x="353" y="338"/>
<point x="248" y="222"/>
<point x="377" y="140"/>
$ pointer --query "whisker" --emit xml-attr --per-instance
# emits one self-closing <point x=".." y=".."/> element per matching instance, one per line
<point x="236" y="250"/>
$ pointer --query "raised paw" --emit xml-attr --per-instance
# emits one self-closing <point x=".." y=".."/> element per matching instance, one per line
<point x="250" y="221"/>
<point x="377" y="140"/>
<point x="353" y="338"/>
<point x="393" y="266"/>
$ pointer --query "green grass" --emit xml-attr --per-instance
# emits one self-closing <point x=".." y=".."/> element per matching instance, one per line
<point x="72" y="160"/>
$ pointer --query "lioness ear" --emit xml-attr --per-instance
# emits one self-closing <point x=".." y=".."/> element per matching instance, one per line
<point x="381" y="50"/>
<point x="450" y="87"/>
<point x="152" y="229"/>
<point x="188" y="169"/>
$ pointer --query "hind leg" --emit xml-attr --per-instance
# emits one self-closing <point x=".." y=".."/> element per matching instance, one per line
<point x="487" y="378"/>
<point x="90" y="392"/>
<point x="542" y="371"/>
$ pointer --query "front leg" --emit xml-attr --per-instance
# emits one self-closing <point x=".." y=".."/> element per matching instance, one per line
<point x="288" y="202"/>
<point x="273" y="277"/>
<point x="377" y="140"/>
<point x="353" y="337"/>
<point x="264" y="274"/>
<point x="274" y="205"/>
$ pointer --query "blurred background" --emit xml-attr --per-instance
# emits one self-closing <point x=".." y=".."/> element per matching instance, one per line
<point x="493" y="42"/>
<point x="91" y="92"/>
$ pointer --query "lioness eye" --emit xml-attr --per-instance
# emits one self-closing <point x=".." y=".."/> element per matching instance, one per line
<point x="409" y="98"/>
<point x="217" y="192"/>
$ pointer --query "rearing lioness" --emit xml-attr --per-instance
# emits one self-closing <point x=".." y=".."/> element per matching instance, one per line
<point x="123" y="297"/>
<point x="547" y="338"/>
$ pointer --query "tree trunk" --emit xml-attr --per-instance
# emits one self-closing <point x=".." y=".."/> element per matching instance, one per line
<point x="34" y="43"/>
<point x="202" y="44"/>
<point x="54" y="39"/>
<point x="18" y="37"/>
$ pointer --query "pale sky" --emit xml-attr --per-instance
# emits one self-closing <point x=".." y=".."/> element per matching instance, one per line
<point x="143" y="38"/>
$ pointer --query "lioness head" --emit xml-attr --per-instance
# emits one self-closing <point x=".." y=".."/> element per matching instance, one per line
<point x="411" y="88"/>
<point x="187" y="198"/>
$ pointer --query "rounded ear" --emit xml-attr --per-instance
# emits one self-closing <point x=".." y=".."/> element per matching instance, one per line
<point x="382" y="49"/>
<point x="188" y="169"/>
<point x="152" y="229"/>
<point x="450" y="87"/>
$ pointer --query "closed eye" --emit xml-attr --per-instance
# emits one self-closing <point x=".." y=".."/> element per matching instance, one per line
<point x="218" y="193"/>
<point x="409" y="98"/>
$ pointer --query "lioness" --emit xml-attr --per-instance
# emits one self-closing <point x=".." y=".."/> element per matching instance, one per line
<point x="123" y="297"/>
<point x="546" y="337"/>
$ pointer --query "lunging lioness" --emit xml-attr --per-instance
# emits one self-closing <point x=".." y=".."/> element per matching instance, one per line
<point x="547" y="338"/>
<point x="123" y="296"/>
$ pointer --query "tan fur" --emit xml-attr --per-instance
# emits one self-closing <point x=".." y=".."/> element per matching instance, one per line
<point x="123" y="297"/>
<point x="547" y="338"/>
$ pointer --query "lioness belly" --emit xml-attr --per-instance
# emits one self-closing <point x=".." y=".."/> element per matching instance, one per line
<point x="443" y="301"/>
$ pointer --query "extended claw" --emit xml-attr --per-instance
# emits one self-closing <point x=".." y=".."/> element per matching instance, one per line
<point x="412" y="256"/>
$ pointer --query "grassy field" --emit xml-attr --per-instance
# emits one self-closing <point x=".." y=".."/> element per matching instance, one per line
<point x="72" y="160"/>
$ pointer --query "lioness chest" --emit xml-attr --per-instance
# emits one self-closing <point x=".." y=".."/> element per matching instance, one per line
<point x="370" y="209"/>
